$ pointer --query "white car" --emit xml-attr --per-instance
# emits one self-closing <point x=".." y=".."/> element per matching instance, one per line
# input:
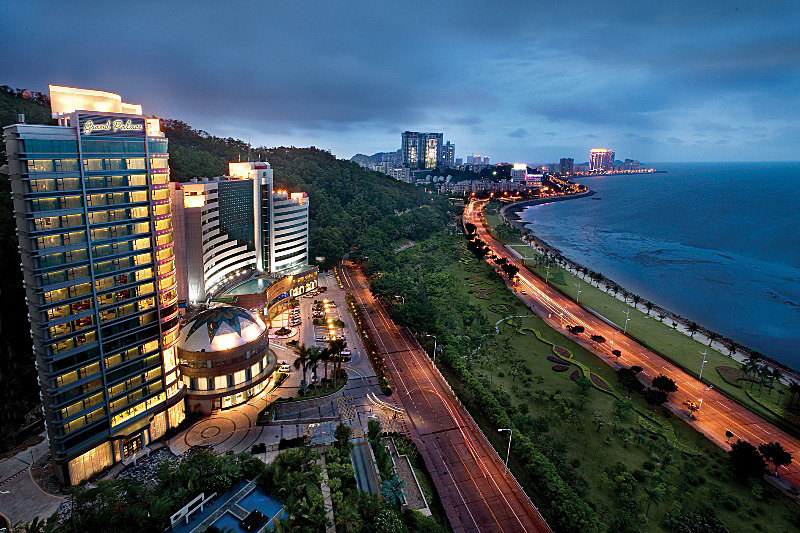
<point x="283" y="366"/>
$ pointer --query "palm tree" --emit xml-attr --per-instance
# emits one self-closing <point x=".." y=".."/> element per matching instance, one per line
<point x="335" y="348"/>
<point x="303" y="358"/>
<point x="776" y="374"/>
<point x="314" y="357"/>
<point x="794" y="388"/>
<point x="655" y="493"/>
<point x="712" y="337"/>
<point x="636" y="300"/>
<point x="692" y="329"/>
<point x="392" y="490"/>
<point x="649" y="306"/>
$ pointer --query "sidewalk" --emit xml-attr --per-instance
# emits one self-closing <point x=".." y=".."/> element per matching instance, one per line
<point x="24" y="500"/>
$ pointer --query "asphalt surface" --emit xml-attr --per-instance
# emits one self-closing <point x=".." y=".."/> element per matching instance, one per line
<point x="717" y="413"/>
<point x="476" y="490"/>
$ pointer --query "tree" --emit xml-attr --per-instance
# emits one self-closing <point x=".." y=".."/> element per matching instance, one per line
<point x="745" y="460"/>
<point x="584" y="386"/>
<point x="794" y="389"/>
<point x="649" y="307"/>
<point x="636" y="300"/>
<point x="662" y="382"/>
<point x="636" y="369"/>
<point x="342" y="435"/>
<point x="303" y="358"/>
<point x="774" y="453"/>
<point x="655" y="493"/>
<point x="616" y="353"/>
<point x="629" y="381"/>
<point x="655" y="397"/>
<point x="335" y="348"/>
<point x="712" y="337"/>
<point x="470" y="227"/>
<point x="597" y="418"/>
<point x="692" y="329"/>
<point x="599" y="339"/>
<point x="392" y="491"/>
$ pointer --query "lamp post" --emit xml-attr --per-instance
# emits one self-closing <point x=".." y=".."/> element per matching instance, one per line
<point x="701" y="396"/>
<point x="703" y="353"/>
<point x="434" y="345"/>
<point x="627" y="317"/>
<point x="508" y="450"/>
<point x="578" y="299"/>
<point x="547" y="275"/>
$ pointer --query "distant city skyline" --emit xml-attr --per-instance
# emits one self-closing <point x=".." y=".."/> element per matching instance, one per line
<point x="686" y="82"/>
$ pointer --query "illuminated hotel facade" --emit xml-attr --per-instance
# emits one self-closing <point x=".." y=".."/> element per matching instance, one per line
<point x="601" y="159"/>
<point x="92" y="206"/>
<point x="232" y="226"/>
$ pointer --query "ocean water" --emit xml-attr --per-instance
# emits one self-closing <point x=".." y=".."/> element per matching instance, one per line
<point x="717" y="243"/>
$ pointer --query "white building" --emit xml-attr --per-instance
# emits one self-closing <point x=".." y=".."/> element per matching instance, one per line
<point x="230" y="226"/>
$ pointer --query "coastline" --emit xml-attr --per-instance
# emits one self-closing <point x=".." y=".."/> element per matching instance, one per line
<point x="720" y="343"/>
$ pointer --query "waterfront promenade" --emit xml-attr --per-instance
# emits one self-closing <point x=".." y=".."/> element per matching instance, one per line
<point x="718" y="414"/>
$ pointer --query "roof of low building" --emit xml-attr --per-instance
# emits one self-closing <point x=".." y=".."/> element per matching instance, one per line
<point x="220" y="328"/>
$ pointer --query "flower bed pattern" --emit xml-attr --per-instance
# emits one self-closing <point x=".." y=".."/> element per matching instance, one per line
<point x="560" y="368"/>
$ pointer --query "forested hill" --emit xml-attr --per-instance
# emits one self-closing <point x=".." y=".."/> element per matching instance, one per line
<point x="345" y="199"/>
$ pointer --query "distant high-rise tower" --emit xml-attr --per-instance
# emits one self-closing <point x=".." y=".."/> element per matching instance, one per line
<point x="566" y="165"/>
<point x="92" y="205"/>
<point x="422" y="150"/>
<point x="449" y="155"/>
<point x="600" y="159"/>
<point x="486" y="161"/>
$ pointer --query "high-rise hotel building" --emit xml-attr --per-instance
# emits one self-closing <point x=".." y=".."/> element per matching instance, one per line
<point x="92" y="206"/>
<point x="601" y="159"/>
<point x="232" y="226"/>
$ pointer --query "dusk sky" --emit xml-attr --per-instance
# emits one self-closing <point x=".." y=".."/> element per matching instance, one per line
<point x="518" y="81"/>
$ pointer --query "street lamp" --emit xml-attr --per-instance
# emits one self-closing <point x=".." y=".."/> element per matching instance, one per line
<point x="703" y="353"/>
<point x="701" y="396"/>
<point x="578" y="299"/>
<point x="627" y="317"/>
<point x="434" y="345"/>
<point x="508" y="451"/>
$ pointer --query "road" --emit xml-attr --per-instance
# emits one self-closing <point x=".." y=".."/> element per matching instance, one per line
<point x="476" y="490"/>
<point x="717" y="414"/>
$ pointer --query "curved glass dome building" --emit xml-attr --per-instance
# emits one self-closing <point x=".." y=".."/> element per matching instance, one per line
<point x="224" y="358"/>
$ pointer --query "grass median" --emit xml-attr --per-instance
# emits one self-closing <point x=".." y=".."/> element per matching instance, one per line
<point x="660" y="337"/>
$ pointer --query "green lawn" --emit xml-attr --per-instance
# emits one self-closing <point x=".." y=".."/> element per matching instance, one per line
<point x="572" y="434"/>
<point x="660" y="337"/>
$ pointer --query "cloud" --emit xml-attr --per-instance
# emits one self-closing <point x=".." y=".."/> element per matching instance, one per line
<point x="504" y="80"/>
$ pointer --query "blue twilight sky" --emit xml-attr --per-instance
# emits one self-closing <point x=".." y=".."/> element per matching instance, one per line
<point x="518" y="81"/>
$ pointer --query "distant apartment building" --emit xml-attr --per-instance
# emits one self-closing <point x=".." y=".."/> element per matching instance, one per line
<point x="422" y="150"/>
<point x="92" y="206"/>
<point x="233" y="225"/>
<point x="566" y="165"/>
<point x="533" y="180"/>
<point x="459" y="162"/>
<point x="486" y="161"/>
<point x="519" y="171"/>
<point x="400" y="173"/>
<point x="449" y="155"/>
<point x="600" y="160"/>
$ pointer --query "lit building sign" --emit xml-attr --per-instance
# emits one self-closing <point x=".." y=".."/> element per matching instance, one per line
<point x="90" y="127"/>
<point x="100" y="125"/>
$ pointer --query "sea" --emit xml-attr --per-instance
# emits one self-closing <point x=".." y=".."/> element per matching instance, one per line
<point x="717" y="243"/>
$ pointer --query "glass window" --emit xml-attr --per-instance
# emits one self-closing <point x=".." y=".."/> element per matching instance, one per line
<point x="41" y="165"/>
<point x="92" y="165"/>
<point x="158" y="162"/>
<point x="135" y="163"/>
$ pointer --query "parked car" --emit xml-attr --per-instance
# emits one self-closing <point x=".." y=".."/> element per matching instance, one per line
<point x="283" y="366"/>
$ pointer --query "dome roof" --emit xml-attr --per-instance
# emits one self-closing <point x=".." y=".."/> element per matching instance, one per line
<point x="220" y="328"/>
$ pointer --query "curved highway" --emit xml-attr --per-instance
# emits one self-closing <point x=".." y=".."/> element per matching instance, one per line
<point x="476" y="490"/>
<point x="717" y="413"/>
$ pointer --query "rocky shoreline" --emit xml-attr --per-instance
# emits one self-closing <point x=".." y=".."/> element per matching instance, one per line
<point x="511" y="215"/>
